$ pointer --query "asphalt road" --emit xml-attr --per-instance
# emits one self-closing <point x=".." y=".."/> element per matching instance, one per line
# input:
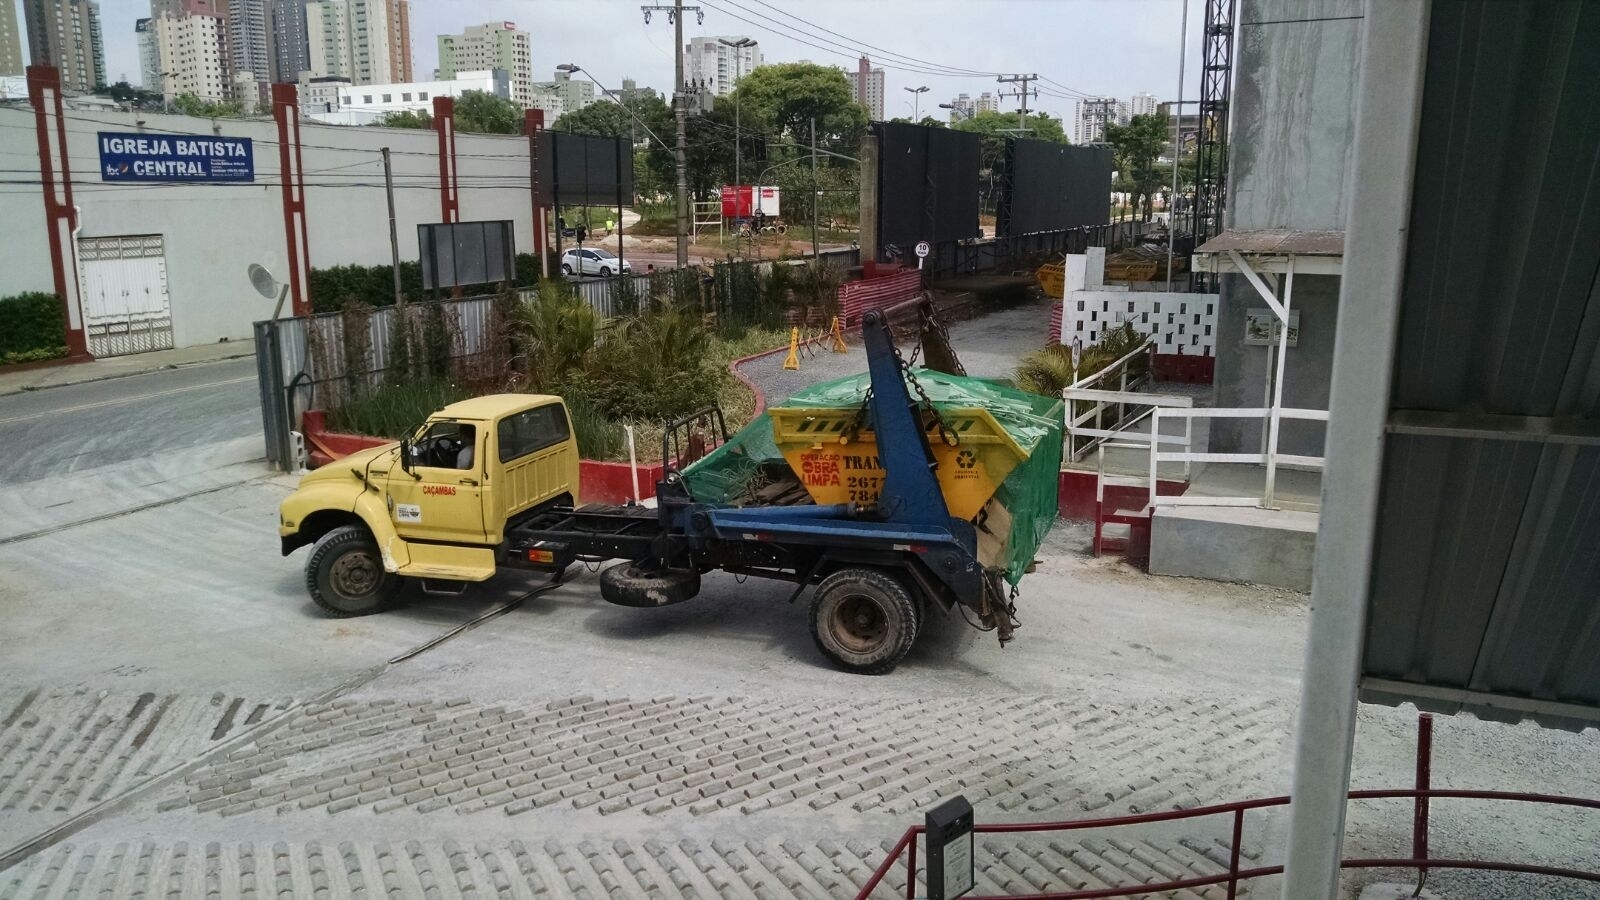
<point x="66" y="430"/>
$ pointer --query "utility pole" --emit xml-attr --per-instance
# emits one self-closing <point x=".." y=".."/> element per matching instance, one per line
<point x="816" y="251"/>
<point x="1177" y="144"/>
<point x="679" y="95"/>
<point x="394" y="237"/>
<point x="1023" y="92"/>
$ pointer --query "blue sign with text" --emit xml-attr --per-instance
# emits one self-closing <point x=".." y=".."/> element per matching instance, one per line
<point x="175" y="157"/>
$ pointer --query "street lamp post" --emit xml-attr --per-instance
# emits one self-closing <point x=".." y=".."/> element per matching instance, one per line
<point x="738" y="75"/>
<point x="916" y="109"/>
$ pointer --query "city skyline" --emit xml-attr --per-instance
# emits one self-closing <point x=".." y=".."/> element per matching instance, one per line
<point x="1076" y="57"/>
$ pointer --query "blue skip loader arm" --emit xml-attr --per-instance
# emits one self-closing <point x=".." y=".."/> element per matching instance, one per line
<point x="911" y="525"/>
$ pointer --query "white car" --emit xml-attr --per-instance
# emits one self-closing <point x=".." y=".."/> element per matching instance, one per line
<point x="593" y="262"/>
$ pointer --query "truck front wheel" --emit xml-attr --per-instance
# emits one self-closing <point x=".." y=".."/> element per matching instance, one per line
<point x="864" y="620"/>
<point x="345" y="574"/>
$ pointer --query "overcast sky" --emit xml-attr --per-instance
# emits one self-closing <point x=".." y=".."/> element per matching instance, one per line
<point x="1103" y="47"/>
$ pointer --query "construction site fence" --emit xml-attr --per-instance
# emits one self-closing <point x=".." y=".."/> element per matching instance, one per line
<point x="949" y="259"/>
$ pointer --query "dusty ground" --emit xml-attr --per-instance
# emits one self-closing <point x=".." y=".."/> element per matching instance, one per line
<point x="169" y="693"/>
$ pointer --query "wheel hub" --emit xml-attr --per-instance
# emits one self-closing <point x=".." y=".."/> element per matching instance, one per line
<point x="355" y="574"/>
<point x="860" y="625"/>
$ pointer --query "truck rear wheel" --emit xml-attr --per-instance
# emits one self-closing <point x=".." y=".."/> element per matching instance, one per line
<point x="864" y="620"/>
<point x="345" y="574"/>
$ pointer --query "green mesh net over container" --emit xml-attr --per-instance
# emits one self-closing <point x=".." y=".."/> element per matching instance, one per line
<point x="1011" y="526"/>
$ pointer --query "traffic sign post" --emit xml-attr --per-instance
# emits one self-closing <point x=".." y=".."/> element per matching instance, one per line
<point x="922" y="252"/>
<point x="949" y="840"/>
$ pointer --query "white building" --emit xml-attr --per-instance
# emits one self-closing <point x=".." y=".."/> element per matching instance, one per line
<point x="189" y="53"/>
<point x="866" y="83"/>
<point x="321" y="93"/>
<point x="1089" y="123"/>
<point x="962" y="108"/>
<point x="708" y="61"/>
<point x="495" y="45"/>
<point x="552" y="104"/>
<point x="365" y="104"/>
<point x="1142" y="105"/>
<point x="987" y="102"/>
<point x="366" y="41"/>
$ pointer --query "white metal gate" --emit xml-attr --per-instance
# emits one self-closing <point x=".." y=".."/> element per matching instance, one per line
<point x="126" y="308"/>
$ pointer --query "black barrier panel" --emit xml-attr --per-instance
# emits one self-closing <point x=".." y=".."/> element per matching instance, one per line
<point x="584" y="169"/>
<point x="1051" y="186"/>
<point x="927" y="185"/>
<point x="461" y="253"/>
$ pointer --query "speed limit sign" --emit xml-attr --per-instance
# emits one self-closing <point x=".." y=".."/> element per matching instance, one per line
<point x="922" y="249"/>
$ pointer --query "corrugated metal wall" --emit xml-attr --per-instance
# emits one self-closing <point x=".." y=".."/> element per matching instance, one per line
<point x="1487" y="569"/>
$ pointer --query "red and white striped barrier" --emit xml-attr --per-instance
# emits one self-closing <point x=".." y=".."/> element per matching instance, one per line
<point x="856" y="297"/>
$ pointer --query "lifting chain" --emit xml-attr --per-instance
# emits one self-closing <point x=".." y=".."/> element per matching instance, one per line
<point x="945" y="433"/>
<point x="930" y="317"/>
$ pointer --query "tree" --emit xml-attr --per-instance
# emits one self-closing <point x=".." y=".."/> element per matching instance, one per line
<point x="410" y="118"/>
<point x="927" y="121"/>
<point x="478" y="112"/>
<point x="191" y="105"/>
<point x="610" y="119"/>
<point x="484" y="113"/>
<point x="1137" y="147"/>
<point x="782" y="99"/>
<point x="123" y="92"/>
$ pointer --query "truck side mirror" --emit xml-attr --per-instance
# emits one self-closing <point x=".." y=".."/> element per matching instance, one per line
<point x="405" y="455"/>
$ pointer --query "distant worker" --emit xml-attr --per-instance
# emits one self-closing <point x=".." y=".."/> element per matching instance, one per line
<point x="650" y="268"/>
<point x="611" y="225"/>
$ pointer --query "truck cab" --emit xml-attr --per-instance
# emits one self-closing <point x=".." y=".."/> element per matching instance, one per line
<point x="436" y="505"/>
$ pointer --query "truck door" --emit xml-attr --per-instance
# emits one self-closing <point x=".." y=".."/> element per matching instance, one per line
<point x="442" y="498"/>
<point x="536" y="461"/>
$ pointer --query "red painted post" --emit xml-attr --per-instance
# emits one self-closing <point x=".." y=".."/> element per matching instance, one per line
<point x="533" y="123"/>
<point x="1419" y="821"/>
<point x="60" y="215"/>
<point x="1233" y="855"/>
<point x="444" y="123"/>
<point x="911" y="869"/>
<point x="292" y="178"/>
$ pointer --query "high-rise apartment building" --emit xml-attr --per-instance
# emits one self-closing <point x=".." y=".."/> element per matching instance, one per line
<point x="10" y="41"/>
<point x="249" y="40"/>
<point x="574" y="93"/>
<point x="495" y="45"/>
<point x="1093" y="114"/>
<point x="1143" y="105"/>
<point x="631" y="91"/>
<point x="144" y="32"/>
<point x="66" y="34"/>
<point x="291" y="54"/>
<point x="718" y="66"/>
<point x="867" y="85"/>
<point x="987" y="102"/>
<point x="366" y="41"/>
<point x="190" y="59"/>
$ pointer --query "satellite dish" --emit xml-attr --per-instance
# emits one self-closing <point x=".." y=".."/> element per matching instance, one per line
<point x="263" y="282"/>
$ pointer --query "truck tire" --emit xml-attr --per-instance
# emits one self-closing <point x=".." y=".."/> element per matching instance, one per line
<point x="631" y="585"/>
<point x="345" y="574"/>
<point x="864" y="620"/>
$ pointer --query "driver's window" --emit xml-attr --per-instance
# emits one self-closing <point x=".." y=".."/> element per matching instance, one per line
<point x="446" y="445"/>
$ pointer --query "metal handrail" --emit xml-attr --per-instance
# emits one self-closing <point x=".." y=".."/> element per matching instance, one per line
<point x="1419" y="860"/>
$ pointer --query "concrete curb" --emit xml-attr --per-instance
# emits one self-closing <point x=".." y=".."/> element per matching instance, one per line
<point x="761" y="396"/>
<point x="29" y="389"/>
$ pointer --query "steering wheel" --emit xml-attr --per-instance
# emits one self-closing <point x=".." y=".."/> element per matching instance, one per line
<point x="444" y="449"/>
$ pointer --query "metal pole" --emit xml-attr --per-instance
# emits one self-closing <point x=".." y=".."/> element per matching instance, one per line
<point x="679" y="153"/>
<point x="1275" y="407"/>
<point x="816" y="251"/>
<point x="619" y="209"/>
<point x="1419" y="818"/>
<point x="1177" y="142"/>
<point x="394" y="237"/>
<point x="1388" y="104"/>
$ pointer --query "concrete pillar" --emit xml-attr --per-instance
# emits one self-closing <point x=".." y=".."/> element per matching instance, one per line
<point x="60" y="215"/>
<point x="292" y="178"/>
<point x="1389" y="102"/>
<point x="444" y="123"/>
<point x="869" y="197"/>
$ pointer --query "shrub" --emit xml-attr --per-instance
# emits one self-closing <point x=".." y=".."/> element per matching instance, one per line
<point x="374" y="285"/>
<point x="392" y="409"/>
<point x="32" y="326"/>
<point x="1048" y="370"/>
<point x="599" y="437"/>
<point x="556" y="332"/>
<point x="652" y="367"/>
